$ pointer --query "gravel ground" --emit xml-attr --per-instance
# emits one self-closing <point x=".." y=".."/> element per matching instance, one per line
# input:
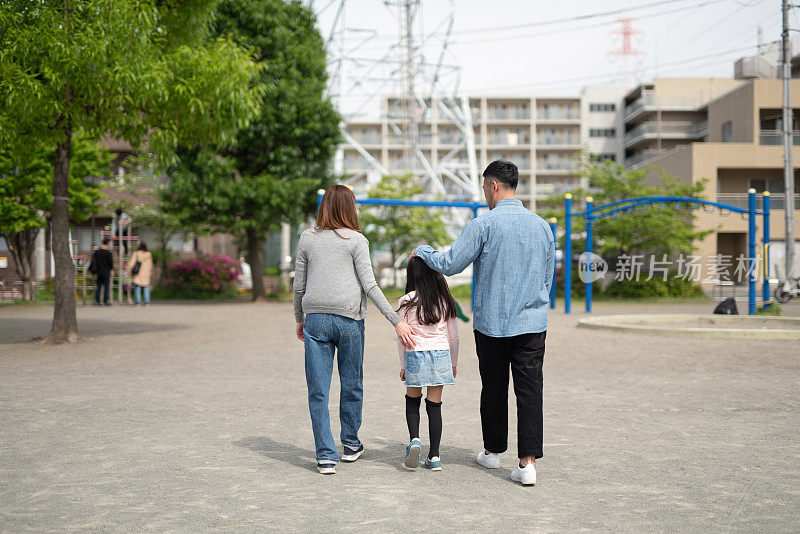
<point x="193" y="417"/>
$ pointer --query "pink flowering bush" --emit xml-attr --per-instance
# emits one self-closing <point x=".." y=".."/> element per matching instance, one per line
<point x="202" y="276"/>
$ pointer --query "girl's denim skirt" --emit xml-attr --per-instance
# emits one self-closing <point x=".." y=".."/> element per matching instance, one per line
<point x="429" y="368"/>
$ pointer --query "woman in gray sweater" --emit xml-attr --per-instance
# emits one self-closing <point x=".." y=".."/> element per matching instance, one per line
<point x="333" y="278"/>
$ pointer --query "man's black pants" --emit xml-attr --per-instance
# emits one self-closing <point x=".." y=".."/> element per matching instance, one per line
<point x="525" y="355"/>
<point x="103" y="283"/>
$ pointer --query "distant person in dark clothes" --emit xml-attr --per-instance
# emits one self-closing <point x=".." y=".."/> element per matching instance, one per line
<point x="121" y="224"/>
<point x="103" y="267"/>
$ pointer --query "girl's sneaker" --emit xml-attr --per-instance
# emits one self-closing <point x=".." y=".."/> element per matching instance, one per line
<point x="412" y="454"/>
<point x="434" y="464"/>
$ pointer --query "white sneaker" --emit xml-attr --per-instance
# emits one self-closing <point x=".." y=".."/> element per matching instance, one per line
<point x="526" y="475"/>
<point x="489" y="461"/>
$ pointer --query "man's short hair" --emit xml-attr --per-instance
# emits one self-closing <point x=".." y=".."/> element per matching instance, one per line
<point x="503" y="171"/>
<point x="106" y="241"/>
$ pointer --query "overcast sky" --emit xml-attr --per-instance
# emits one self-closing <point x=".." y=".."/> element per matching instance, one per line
<point x="509" y="47"/>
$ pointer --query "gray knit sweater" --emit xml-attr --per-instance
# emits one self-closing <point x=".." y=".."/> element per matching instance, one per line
<point x="334" y="275"/>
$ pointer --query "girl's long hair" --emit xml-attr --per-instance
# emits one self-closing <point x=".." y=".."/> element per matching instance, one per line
<point x="337" y="210"/>
<point x="432" y="298"/>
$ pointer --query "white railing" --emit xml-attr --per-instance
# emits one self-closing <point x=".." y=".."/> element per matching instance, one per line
<point x="777" y="201"/>
<point x="685" y="128"/>
<point x="775" y="137"/>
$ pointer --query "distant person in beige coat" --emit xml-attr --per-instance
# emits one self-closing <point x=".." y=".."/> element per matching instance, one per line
<point x="141" y="274"/>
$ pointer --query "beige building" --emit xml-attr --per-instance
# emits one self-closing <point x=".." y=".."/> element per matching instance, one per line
<point x="668" y="112"/>
<point x="740" y="148"/>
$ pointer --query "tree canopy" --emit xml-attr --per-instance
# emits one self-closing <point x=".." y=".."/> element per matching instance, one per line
<point x="271" y="173"/>
<point x="126" y="68"/>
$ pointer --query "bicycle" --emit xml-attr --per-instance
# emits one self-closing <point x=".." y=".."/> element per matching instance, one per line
<point x="787" y="290"/>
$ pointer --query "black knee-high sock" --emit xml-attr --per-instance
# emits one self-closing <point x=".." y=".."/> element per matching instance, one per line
<point x="434" y="410"/>
<point x="412" y="416"/>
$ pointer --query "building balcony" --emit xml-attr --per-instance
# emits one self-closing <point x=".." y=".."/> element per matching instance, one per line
<point x="550" y="165"/>
<point x="640" y="157"/>
<point x="422" y="139"/>
<point x="511" y="139"/>
<point x="556" y="141"/>
<point x="367" y="139"/>
<point x="353" y="165"/>
<point x="777" y="201"/>
<point x="666" y="130"/>
<point x="775" y="137"/>
<point x="557" y="116"/>
<point x="648" y="102"/>
<point x="509" y="115"/>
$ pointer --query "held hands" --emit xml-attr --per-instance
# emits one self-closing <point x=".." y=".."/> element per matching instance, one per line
<point x="299" y="331"/>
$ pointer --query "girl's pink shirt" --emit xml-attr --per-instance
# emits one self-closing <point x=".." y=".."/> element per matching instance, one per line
<point x="440" y="336"/>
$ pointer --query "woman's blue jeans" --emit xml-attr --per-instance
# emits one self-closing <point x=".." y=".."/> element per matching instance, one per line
<point x="137" y="293"/>
<point x="325" y="333"/>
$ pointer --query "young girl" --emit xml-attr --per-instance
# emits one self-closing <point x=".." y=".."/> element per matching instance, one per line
<point x="429" y="307"/>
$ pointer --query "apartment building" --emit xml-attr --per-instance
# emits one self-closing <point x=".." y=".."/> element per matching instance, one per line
<point x="668" y="112"/>
<point x="741" y="147"/>
<point x="543" y="135"/>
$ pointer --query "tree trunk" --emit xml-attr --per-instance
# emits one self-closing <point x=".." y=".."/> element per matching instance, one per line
<point x="65" y="321"/>
<point x="254" y="259"/>
<point x="22" y="246"/>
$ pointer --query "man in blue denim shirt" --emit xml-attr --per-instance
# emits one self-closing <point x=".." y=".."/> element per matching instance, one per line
<point x="513" y="254"/>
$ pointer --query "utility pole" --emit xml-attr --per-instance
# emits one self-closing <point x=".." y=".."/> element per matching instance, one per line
<point x="788" y="169"/>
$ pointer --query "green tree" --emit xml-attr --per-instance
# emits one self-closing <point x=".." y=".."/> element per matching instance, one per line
<point x="26" y="185"/>
<point x="128" y="68"/>
<point x="273" y="170"/>
<point x="400" y="228"/>
<point x="665" y="230"/>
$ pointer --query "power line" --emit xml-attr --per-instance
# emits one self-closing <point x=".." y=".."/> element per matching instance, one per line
<point x="631" y="71"/>
<point x="573" y="19"/>
<point x="528" y="35"/>
<point x="578" y="17"/>
<point x="705" y="29"/>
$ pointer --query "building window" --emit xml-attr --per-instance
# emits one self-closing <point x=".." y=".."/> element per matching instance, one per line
<point x="602" y="132"/>
<point x="602" y="107"/>
<point x="603" y="157"/>
<point x="727" y="132"/>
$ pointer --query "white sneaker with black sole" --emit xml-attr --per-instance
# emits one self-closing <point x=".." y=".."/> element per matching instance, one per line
<point x="349" y="454"/>
<point x="524" y="475"/>
<point x="489" y="461"/>
<point x="326" y="468"/>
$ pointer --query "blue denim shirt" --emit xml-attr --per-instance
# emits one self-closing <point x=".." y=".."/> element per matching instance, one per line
<point x="513" y="252"/>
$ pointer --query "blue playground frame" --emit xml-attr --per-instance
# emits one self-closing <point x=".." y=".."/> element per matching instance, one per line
<point x="593" y="213"/>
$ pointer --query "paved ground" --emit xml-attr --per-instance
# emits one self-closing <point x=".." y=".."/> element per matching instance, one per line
<point x="194" y="418"/>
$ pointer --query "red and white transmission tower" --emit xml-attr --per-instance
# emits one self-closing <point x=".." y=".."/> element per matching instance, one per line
<point x="628" y="57"/>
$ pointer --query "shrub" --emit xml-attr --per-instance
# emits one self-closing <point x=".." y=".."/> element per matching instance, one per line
<point x="201" y="277"/>
<point x="770" y="309"/>
<point x="656" y="287"/>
